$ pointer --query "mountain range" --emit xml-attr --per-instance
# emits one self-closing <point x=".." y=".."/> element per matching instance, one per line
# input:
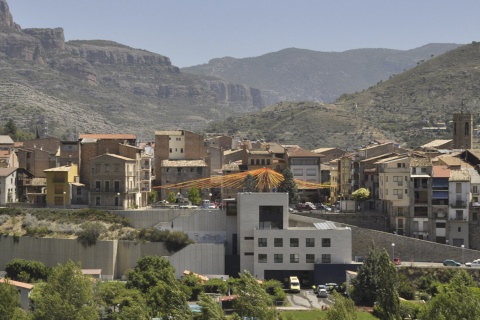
<point x="65" y="88"/>
<point x="400" y="108"/>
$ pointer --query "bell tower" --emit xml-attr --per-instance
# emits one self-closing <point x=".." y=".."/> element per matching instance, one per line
<point x="462" y="130"/>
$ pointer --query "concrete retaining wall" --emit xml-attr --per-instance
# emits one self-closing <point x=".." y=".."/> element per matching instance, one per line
<point x="113" y="257"/>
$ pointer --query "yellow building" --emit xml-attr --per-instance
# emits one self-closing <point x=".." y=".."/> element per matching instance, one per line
<point x="58" y="185"/>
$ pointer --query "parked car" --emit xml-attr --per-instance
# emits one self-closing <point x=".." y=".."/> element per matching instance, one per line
<point x="332" y="286"/>
<point x="451" y="263"/>
<point x="322" y="293"/>
<point x="397" y="261"/>
<point x="473" y="264"/>
<point x="319" y="287"/>
<point x="321" y="206"/>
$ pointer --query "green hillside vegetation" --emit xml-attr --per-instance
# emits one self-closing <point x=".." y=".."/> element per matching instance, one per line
<point x="394" y="109"/>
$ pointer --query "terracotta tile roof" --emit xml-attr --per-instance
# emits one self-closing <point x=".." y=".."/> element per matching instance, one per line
<point x="38" y="182"/>
<point x="299" y="152"/>
<point x="108" y="136"/>
<point x="420" y="162"/>
<point x="5" y="154"/>
<point x="453" y="161"/>
<point x="320" y="150"/>
<point x="441" y="172"/>
<point x="17" y="283"/>
<point x="260" y="152"/>
<point x="183" y="163"/>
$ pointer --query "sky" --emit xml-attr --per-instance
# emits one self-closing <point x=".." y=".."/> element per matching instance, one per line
<point x="191" y="32"/>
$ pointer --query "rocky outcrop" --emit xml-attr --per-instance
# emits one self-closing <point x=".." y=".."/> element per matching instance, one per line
<point x="6" y="19"/>
<point x="20" y="46"/>
<point x="49" y="38"/>
<point x="235" y="93"/>
<point x="102" y="53"/>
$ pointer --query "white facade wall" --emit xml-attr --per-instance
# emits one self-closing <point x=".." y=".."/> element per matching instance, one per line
<point x="310" y="173"/>
<point x="248" y="207"/>
<point x="8" y="190"/>
<point x="459" y="198"/>
<point x="176" y="144"/>
<point x="339" y="249"/>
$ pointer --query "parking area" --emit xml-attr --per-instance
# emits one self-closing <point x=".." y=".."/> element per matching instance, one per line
<point x="307" y="299"/>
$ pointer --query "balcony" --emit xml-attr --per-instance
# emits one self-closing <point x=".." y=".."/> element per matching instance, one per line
<point x="459" y="204"/>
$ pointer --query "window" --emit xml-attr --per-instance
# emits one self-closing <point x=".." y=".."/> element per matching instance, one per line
<point x="97" y="186"/>
<point x="310" y="258"/>
<point x="116" y="167"/>
<point x="248" y="238"/>
<point x="248" y="253"/>
<point x="268" y="162"/>
<point x="326" y="258"/>
<point x="278" y="242"/>
<point x="107" y="167"/>
<point x="475" y="189"/>
<point x="310" y="242"/>
<point x="294" y="258"/>
<point x="458" y="187"/>
<point x="257" y="162"/>
<point x="181" y="150"/>
<point x="262" y="258"/>
<point x="311" y="172"/>
<point x="252" y="161"/>
<point x="97" y="201"/>
<point x="79" y="191"/>
<point x="107" y="186"/>
<point x="262" y="242"/>
<point x="293" y="242"/>
<point x="170" y="150"/>
<point x="326" y="242"/>
<point x="278" y="258"/>
<point x="297" y="172"/>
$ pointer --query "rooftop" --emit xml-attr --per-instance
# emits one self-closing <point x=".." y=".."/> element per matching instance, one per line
<point x="459" y="175"/>
<point x="108" y="136"/>
<point x="183" y="163"/>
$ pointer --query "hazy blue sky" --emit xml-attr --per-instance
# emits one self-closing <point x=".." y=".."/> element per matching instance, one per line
<point x="192" y="32"/>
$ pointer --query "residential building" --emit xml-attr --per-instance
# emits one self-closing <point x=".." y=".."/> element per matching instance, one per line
<point x="59" y="180"/>
<point x="345" y="167"/>
<point x="93" y="145"/>
<point x="36" y="155"/>
<point x="329" y="154"/>
<point x="8" y="185"/>
<point x="8" y="157"/>
<point x="440" y="202"/>
<point x="459" y="198"/>
<point x="180" y="155"/>
<point x="115" y="182"/>
<point x="417" y="222"/>
<point x="304" y="164"/>
<point x="394" y="189"/>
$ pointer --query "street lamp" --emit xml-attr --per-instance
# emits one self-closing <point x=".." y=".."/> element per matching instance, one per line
<point x="463" y="247"/>
<point x="393" y="250"/>
<point x="118" y="200"/>
<point x="64" y="199"/>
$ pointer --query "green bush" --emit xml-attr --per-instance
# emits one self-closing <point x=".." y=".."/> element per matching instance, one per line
<point x="409" y="309"/>
<point x="26" y="270"/>
<point x="90" y="232"/>
<point x="176" y="241"/>
<point x="153" y="235"/>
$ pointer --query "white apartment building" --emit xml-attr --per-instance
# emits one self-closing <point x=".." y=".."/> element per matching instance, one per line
<point x="8" y="183"/>
<point x="459" y="196"/>
<point x="394" y="181"/>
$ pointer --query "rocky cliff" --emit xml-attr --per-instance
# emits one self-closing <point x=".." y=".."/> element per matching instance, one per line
<point x="121" y="84"/>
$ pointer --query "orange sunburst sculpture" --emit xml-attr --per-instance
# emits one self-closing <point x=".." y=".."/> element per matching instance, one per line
<point x="266" y="179"/>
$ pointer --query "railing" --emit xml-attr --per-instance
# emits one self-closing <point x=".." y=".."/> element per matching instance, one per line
<point x="458" y="204"/>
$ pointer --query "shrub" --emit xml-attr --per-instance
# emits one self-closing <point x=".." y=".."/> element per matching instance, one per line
<point x="409" y="309"/>
<point x="177" y="240"/>
<point x="90" y="233"/>
<point x="4" y="218"/>
<point x="153" y="235"/>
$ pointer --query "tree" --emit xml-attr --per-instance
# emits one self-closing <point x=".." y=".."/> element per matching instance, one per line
<point x="361" y="195"/>
<point x="10" y="129"/>
<point x="252" y="300"/>
<point x="454" y="301"/>
<point x="67" y="295"/>
<point x="124" y="303"/>
<point x="171" y="197"/>
<point x="154" y="276"/>
<point x="211" y="310"/>
<point x="10" y="302"/>
<point x="152" y="197"/>
<point x="26" y="270"/>
<point x="194" y="195"/>
<point x="250" y="184"/>
<point x="343" y="308"/>
<point x="289" y="185"/>
<point x="387" y="292"/>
